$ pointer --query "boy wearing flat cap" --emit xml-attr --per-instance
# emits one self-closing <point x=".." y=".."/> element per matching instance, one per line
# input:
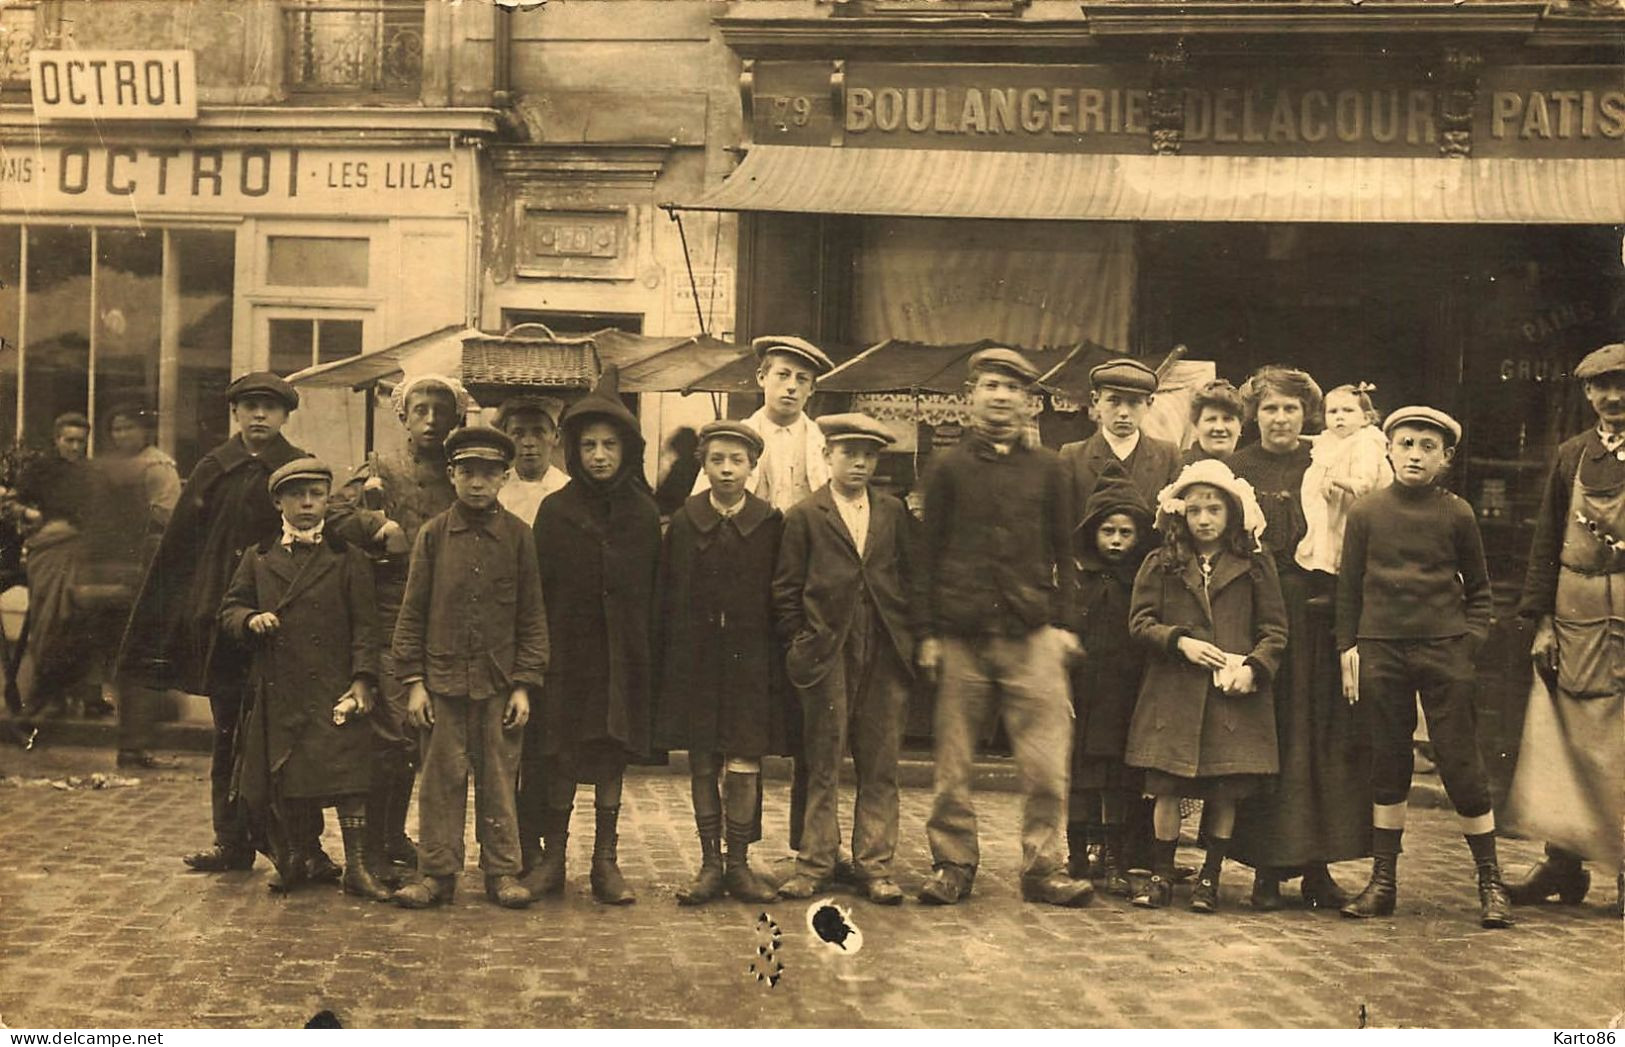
<point x="840" y="597"/>
<point x="302" y="601"/>
<point x="173" y="639"/>
<point x="381" y="508"/>
<point x="471" y="647"/>
<point x="533" y="423"/>
<point x="1413" y="607"/>
<point x="792" y="464"/>
<point x="722" y="691"/>
<point x="997" y="583"/>
<point x="1120" y="394"/>
<point x="1569" y="788"/>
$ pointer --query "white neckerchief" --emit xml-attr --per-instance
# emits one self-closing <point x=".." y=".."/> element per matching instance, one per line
<point x="292" y="536"/>
<point x="727" y="512"/>
<point x="1121" y="448"/>
<point x="1611" y="441"/>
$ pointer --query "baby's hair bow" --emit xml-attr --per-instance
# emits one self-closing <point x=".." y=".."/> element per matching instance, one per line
<point x="1365" y="387"/>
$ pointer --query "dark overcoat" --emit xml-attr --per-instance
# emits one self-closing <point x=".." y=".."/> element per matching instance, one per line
<point x="722" y="686"/>
<point x="173" y="638"/>
<point x="1153" y="466"/>
<point x="323" y="595"/>
<point x="1183" y="724"/>
<point x="1106" y="680"/>
<point x="599" y="550"/>
<point x="821" y="577"/>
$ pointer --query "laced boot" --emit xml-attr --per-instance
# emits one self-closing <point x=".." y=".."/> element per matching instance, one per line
<point x="546" y="876"/>
<point x="1381" y="893"/>
<point x="608" y="885"/>
<point x="1560" y="875"/>
<point x="708" y="883"/>
<point x="743" y="882"/>
<point x="1494" y="907"/>
<point x="358" y="879"/>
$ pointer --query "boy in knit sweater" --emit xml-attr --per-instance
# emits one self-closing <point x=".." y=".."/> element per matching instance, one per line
<point x="1413" y="607"/>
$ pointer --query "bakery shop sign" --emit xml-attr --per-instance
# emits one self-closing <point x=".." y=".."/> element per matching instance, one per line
<point x="1528" y="111"/>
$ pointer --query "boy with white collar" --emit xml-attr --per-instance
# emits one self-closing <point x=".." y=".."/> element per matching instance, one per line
<point x="1120" y="394"/>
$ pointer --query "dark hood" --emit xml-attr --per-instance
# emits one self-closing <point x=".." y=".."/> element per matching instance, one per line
<point x="1115" y="493"/>
<point x="603" y="404"/>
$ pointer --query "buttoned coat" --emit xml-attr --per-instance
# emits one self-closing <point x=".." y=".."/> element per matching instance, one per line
<point x="328" y="636"/>
<point x="722" y="686"/>
<point x="173" y="638"/>
<point x="1182" y="723"/>
<point x="472" y="620"/>
<point x="821" y="577"/>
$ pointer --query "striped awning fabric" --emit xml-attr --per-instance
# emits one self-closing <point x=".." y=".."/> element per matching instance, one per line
<point x="972" y="184"/>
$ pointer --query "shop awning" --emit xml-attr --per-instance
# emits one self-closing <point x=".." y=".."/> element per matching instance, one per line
<point x="914" y="367"/>
<point x="439" y="351"/>
<point x="980" y="184"/>
<point x="739" y="375"/>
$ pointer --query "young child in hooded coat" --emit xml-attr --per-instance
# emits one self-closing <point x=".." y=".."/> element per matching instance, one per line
<point x="1110" y="543"/>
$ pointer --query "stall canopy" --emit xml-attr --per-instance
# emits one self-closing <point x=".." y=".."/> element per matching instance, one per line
<point x="738" y="376"/>
<point x="895" y="366"/>
<point x="649" y="364"/>
<point x="981" y="184"/>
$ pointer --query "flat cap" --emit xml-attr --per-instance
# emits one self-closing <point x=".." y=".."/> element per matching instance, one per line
<point x="789" y="343"/>
<point x="1431" y="417"/>
<point x="299" y="469"/>
<point x="1005" y="361"/>
<point x="71" y="420"/>
<point x="480" y="442"/>
<point x="266" y="383"/>
<point x="854" y="426"/>
<point x="522" y="404"/>
<point x="1129" y="375"/>
<point x="733" y="430"/>
<point x="1607" y="360"/>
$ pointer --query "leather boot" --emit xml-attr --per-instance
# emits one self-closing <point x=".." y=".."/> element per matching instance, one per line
<point x="358" y="879"/>
<point x="1494" y="907"/>
<point x="427" y="892"/>
<point x="1319" y="890"/>
<point x="1381" y="892"/>
<point x="380" y="788"/>
<point x="397" y="845"/>
<point x="1266" y="896"/>
<point x="547" y="875"/>
<point x="708" y="883"/>
<point x="743" y="882"/>
<point x="608" y="885"/>
<point x="1560" y="875"/>
<point x="1111" y="863"/>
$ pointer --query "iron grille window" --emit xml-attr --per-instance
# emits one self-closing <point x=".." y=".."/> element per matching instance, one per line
<point x="371" y="47"/>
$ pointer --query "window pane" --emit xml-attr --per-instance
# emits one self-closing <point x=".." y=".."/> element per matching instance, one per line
<point x="293" y="345"/>
<point x="57" y="356"/>
<point x="129" y="307"/>
<point x="338" y="339"/>
<point x="199" y="419"/>
<point x="11" y="313"/>
<point x="317" y="261"/>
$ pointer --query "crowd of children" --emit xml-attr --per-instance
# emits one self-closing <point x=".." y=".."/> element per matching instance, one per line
<point x="1248" y="629"/>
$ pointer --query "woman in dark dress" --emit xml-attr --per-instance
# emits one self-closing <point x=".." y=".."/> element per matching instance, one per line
<point x="1320" y="808"/>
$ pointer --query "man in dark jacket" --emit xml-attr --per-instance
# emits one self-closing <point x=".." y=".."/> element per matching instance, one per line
<point x="173" y="639"/>
<point x="1120" y="394"/>
<point x="997" y="588"/>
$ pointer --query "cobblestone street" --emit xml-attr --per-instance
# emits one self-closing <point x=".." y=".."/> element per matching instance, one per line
<point x="100" y="926"/>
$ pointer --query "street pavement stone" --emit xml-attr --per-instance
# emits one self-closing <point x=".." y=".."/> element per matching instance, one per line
<point x="101" y="926"/>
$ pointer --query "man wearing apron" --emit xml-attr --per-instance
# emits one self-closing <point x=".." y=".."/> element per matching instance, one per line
<point x="1570" y="783"/>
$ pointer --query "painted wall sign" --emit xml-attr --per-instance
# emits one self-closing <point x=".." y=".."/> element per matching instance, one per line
<point x="1548" y="111"/>
<point x="114" y="85"/>
<point x="232" y="180"/>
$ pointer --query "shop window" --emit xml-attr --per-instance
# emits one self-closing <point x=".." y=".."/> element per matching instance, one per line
<point x="370" y="47"/>
<point x="95" y="317"/>
<point x="300" y="342"/>
<point x="317" y="261"/>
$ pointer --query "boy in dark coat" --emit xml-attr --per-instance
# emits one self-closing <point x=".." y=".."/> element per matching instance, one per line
<point x="840" y="596"/>
<point x="1413" y="606"/>
<point x="304" y="604"/>
<point x="471" y="647"/>
<point x="599" y="544"/>
<point x="1112" y="540"/>
<point x="722" y="691"/>
<point x="173" y="639"/>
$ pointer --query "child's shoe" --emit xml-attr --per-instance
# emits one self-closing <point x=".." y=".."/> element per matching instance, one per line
<point x="608" y="885"/>
<point x="1205" y="895"/>
<point x="1381" y="894"/>
<point x="707" y="884"/>
<point x="1266" y="896"/>
<point x="1320" y="891"/>
<point x="1111" y="864"/>
<point x="427" y="892"/>
<point x="1156" y="894"/>
<point x="507" y="892"/>
<point x="547" y="875"/>
<point x="1494" y="907"/>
